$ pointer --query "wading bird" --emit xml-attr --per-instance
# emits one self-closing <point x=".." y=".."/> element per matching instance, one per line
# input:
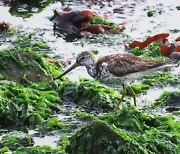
<point x="116" y="68"/>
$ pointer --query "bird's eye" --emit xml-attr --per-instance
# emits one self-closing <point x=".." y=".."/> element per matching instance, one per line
<point x="82" y="58"/>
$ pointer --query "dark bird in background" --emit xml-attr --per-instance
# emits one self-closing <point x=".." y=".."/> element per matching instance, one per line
<point x="4" y="26"/>
<point x="71" y="21"/>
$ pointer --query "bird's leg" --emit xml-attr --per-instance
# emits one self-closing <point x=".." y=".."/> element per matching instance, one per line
<point x="133" y="95"/>
<point x="123" y="95"/>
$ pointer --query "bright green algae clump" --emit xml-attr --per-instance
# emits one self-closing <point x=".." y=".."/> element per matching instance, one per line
<point x="27" y="41"/>
<point x="99" y="20"/>
<point x="21" y="105"/>
<point x="24" y="61"/>
<point x="27" y="93"/>
<point x="162" y="78"/>
<point x="17" y="62"/>
<point x="25" y="9"/>
<point x="151" y="13"/>
<point x="90" y="93"/>
<point x="37" y="150"/>
<point x="168" y="99"/>
<point x="127" y="131"/>
<point x="11" y="31"/>
<point x="99" y="137"/>
<point x="15" y="141"/>
<point x="151" y="51"/>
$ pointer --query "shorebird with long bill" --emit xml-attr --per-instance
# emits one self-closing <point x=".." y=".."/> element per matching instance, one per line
<point x="116" y="68"/>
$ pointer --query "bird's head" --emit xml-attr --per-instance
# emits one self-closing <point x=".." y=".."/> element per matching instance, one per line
<point x="84" y="58"/>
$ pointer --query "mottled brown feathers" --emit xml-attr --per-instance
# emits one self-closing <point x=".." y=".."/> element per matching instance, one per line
<point x="123" y="64"/>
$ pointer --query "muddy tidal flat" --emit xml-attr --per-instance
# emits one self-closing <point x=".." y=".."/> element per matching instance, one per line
<point x="40" y="113"/>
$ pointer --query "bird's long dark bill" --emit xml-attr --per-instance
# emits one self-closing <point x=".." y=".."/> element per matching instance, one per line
<point x="68" y="70"/>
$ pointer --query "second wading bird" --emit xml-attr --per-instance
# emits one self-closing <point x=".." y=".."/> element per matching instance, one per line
<point x="116" y="68"/>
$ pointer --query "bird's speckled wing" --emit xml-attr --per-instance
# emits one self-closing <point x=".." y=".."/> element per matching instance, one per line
<point x="123" y="64"/>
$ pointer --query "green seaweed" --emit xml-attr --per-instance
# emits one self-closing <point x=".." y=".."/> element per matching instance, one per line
<point x="132" y="119"/>
<point x="91" y="93"/>
<point x="168" y="99"/>
<point x="25" y="9"/>
<point x="54" y="123"/>
<point x="177" y="113"/>
<point x="162" y="78"/>
<point x="155" y="141"/>
<point x="38" y="150"/>
<point x="4" y="149"/>
<point x="21" y="105"/>
<point x="152" y="51"/>
<point x="95" y="52"/>
<point x="15" y="141"/>
<point x="139" y="88"/>
<point x="27" y="41"/>
<point x="99" y="20"/>
<point x="99" y="137"/>
<point x="11" y="31"/>
<point x="127" y="131"/>
<point x="151" y="13"/>
<point x="84" y="115"/>
<point x="51" y="68"/>
<point x="54" y="126"/>
<point x="26" y="59"/>
<point x="63" y="142"/>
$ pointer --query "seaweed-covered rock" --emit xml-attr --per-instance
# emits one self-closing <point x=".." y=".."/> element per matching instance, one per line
<point x="26" y="105"/>
<point x="91" y="93"/>
<point x="158" y="134"/>
<point x="127" y="131"/>
<point x="16" y="63"/>
<point x="99" y="137"/>
<point x="30" y="96"/>
<point x="156" y="141"/>
<point x="13" y="141"/>
<point x="132" y="119"/>
<point x="169" y="99"/>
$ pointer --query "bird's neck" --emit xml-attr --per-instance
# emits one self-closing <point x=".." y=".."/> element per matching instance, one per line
<point x="91" y="69"/>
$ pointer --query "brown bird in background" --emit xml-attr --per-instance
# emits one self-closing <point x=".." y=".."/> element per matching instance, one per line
<point x="71" y="21"/>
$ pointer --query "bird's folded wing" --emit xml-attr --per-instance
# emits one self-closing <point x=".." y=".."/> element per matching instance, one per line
<point x="130" y="64"/>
